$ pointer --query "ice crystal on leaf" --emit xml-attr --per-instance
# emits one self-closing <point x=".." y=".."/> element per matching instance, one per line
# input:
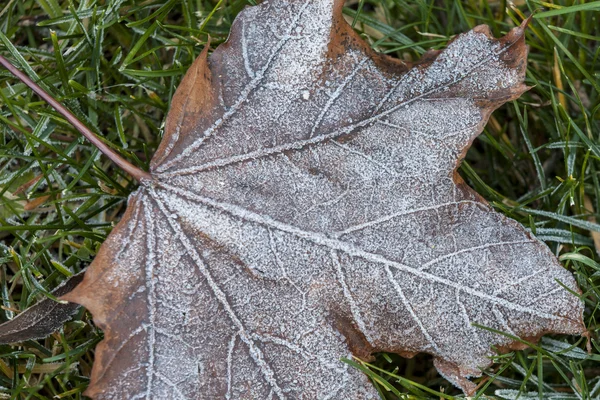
<point x="304" y="206"/>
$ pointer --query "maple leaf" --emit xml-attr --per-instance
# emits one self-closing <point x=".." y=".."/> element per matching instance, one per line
<point x="304" y="206"/>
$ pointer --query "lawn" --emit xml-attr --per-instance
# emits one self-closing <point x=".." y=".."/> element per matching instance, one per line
<point x="116" y="65"/>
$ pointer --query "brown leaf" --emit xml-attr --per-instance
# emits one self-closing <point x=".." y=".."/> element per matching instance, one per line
<point x="35" y="203"/>
<point x="27" y="185"/>
<point x="43" y="318"/>
<point x="304" y="206"/>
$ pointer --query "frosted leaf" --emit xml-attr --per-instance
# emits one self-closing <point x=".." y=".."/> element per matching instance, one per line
<point x="304" y="206"/>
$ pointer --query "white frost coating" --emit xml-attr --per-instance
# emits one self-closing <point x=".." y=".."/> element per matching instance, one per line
<point x="194" y="214"/>
<point x="229" y="367"/>
<point x="431" y="345"/>
<point x="255" y="352"/>
<point x="348" y="295"/>
<point x="313" y="214"/>
<point x="151" y="298"/>
<point x="294" y="69"/>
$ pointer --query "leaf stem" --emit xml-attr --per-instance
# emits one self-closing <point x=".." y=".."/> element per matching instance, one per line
<point x="125" y="165"/>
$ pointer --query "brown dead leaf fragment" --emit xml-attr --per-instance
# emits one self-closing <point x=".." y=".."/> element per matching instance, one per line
<point x="43" y="318"/>
<point x="304" y="206"/>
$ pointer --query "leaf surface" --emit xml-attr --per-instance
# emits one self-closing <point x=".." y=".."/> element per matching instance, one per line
<point x="304" y="206"/>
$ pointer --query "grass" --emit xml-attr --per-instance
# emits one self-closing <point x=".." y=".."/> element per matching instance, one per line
<point x="116" y="64"/>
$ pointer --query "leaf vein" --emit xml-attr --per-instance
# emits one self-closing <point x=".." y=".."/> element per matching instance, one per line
<point x="311" y="140"/>
<point x="411" y="311"/>
<point x="245" y="93"/>
<point x="246" y="337"/>
<point x="331" y="243"/>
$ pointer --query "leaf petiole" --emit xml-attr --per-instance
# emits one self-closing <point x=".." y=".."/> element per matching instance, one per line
<point x="125" y="165"/>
